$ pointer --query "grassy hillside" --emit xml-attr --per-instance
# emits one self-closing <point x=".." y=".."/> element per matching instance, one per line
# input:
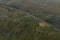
<point x="51" y="17"/>
<point x="17" y="26"/>
<point x="43" y="10"/>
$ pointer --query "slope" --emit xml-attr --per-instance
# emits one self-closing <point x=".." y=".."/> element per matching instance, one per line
<point x="16" y="25"/>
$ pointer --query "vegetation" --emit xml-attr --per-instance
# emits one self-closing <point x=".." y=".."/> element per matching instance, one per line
<point x="18" y="26"/>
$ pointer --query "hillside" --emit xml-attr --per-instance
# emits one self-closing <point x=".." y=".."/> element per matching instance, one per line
<point x="16" y="25"/>
<point x="51" y="15"/>
<point x="29" y="20"/>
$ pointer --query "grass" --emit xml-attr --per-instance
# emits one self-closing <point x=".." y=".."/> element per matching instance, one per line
<point x="24" y="28"/>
